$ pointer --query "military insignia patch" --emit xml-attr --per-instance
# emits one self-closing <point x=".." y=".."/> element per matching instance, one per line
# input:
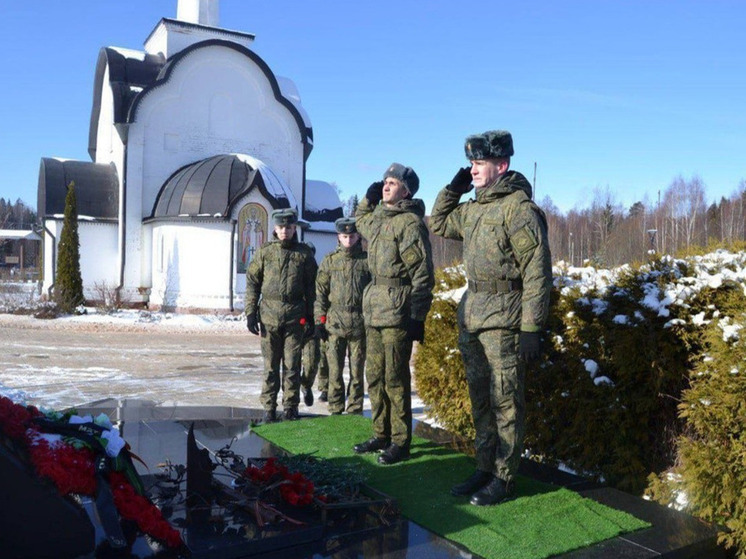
<point x="523" y="240"/>
<point x="412" y="255"/>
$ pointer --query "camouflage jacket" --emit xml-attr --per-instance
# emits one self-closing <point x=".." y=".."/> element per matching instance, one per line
<point x="285" y="279"/>
<point x="342" y="277"/>
<point x="400" y="263"/>
<point x="505" y="238"/>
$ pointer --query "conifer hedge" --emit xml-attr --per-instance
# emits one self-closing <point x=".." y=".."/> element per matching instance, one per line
<point x="642" y="383"/>
<point x="709" y="477"/>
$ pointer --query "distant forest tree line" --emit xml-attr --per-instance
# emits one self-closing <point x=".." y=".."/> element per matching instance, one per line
<point x="605" y="234"/>
<point x="17" y="215"/>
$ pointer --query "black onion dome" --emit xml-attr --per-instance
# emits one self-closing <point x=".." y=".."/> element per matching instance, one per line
<point x="211" y="187"/>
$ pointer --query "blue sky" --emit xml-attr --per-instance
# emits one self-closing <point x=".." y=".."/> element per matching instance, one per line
<point x="622" y="95"/>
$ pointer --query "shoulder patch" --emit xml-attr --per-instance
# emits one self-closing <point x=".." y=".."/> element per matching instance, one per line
<point x="411" y="255"/>
<point x="523" y="240"/>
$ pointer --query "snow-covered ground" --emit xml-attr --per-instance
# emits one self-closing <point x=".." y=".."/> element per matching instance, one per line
<point x="168" y="358"/>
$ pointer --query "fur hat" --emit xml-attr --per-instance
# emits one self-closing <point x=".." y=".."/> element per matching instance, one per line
<point x="285" y="216"/>
<point x="406" y="175"/>
<point x="345" y="225"/>
<point x="489" y="145"/>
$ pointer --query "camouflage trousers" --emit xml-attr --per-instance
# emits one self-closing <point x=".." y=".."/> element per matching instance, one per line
<point x="281" y="350"/>
<point x="314" y="364"/>
<point x="496" y="379"/>
<point x="390" y="383"/>
<point x="341" y="347"/>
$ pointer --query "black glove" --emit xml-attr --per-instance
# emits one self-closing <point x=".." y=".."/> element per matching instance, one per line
<point x="375" y="193"/>
<point x="320" y="332"/>
<point x="252" y="323"/>
<point x="416" y="330"/>
<point x="529" y="346"/>
<point x="307" y="328"/>
<point x="461" y="181"/>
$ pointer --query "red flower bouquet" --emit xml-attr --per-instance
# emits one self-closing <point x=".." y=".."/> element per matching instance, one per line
<point x="295" y="488"/>
<point x="78" y="455"/>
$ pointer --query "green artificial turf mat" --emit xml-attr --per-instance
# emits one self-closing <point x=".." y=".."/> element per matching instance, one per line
<point x="541" y="520"/>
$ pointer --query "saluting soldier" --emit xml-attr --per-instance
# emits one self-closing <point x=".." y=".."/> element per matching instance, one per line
<point x="395" y="304"/>
<point x="280" y="292"/>
<point x="506" y="304"/>
<point x="341" y="279"/>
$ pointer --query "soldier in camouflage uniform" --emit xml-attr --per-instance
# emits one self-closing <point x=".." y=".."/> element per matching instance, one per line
<point x="283" y="273"/>
<point x="508" y="268"/>
<point x="395" y="304"/>
<point x="340" y="282"/>
<point x="314" y="365"/>
<point x="313" y="362"/>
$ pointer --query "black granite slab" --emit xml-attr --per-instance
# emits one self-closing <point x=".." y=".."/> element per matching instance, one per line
<point x="159" y="433"/>
<point x="673" y="535"/>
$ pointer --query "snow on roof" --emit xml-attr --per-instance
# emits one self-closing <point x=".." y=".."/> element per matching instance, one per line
<point x="130" y="53"/>
<point x="19" y="234"/>
<point x="274" y="184"/>
<point x="325" y="226"/>
<point x="321" y="195"/>
<point x="290" y="92"/>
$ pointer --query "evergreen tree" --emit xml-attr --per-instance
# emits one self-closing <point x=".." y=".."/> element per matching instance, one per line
<point x="351" y="205"/>
<point x="68" y="283"/>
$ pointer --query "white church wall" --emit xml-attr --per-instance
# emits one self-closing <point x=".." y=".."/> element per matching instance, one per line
<point x="99" y="264"/>
<point x="109" y="146"/>
<point x="216" y="101"/>
<point x="325" y="242"/>
<point x="130" y="217"/>
<point x="191" y="265"/>
<point x="146" y="256"/>
<point x="168" y="38"/>
<point x="98" y="254"/>
<point x="52" y="230"/>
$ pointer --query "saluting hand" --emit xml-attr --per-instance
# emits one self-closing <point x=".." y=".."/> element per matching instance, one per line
<point x="375" y="193"/>
<point x="461" y="181"/>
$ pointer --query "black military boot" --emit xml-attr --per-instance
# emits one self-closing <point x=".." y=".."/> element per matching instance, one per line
<point x="393" y="454"/>
<point x="291" y="414"/>
<point x="308" y="396"/>
<point x="371" y="445"/>
<point x="324" y="396"/>
<point x="475" y="482"/>
<point x="496" y="491"/>
<point x="269" y="416"/>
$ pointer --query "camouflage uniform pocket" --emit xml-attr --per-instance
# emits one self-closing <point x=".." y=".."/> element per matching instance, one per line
<point x="505" y="365"/>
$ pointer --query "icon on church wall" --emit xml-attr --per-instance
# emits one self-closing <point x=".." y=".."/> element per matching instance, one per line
<point x="252" y="232"/>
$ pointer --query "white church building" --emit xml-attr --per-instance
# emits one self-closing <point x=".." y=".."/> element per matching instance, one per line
<point x="193" y="142"/>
